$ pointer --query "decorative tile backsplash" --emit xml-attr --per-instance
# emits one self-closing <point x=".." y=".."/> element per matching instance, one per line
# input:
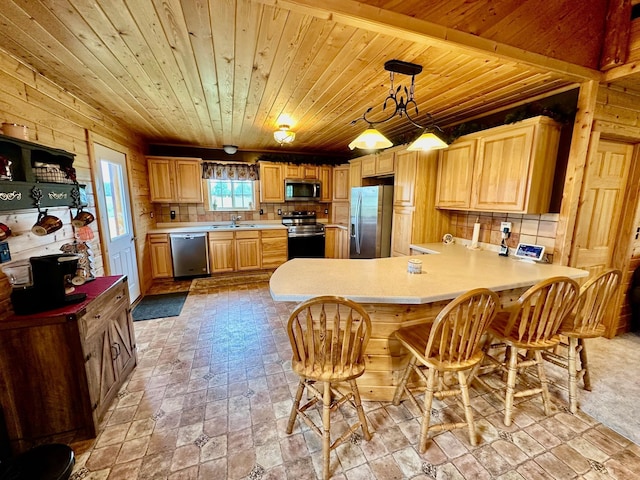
<point x="536" y="229"/>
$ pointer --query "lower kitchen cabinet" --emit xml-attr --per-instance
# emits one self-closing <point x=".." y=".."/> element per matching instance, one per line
<point x="222" y="252"/>
<point x="336" y="242"/>
<point x="274" y="248"/>
<point x="248" y="250"/>
<point x="61" y="369"/>
<point x="161" y="266"/>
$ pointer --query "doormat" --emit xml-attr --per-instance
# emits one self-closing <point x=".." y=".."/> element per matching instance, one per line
<point x="230" y="279"/>
<point x="159" y="306"/>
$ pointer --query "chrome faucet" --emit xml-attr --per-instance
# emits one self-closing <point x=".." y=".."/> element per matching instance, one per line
<point x="234" y="220"/>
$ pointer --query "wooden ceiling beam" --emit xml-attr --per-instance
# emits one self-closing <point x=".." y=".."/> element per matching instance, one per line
<point x="409" y="28"/>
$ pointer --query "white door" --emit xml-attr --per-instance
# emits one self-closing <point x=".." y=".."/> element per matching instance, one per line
<point x="115" y="216"/>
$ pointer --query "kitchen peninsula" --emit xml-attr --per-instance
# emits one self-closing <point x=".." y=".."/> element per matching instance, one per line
<point x="395" y="298"/>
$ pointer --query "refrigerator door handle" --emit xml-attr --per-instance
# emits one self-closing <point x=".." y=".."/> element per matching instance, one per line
<point x="358" y="237"/>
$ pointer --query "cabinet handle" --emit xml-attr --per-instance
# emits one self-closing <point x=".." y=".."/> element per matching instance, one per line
<point x="88" y="357"/>
<point x="114" y="348"/>
<point x="118" y="297"/>
<point x="97" y="316"/>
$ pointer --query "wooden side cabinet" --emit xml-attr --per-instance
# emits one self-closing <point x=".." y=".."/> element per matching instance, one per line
<point x="161" y="265"/>
<point x="271" y="182"/>
<point x="61" y="369"/>
<point x="274" y="248"/>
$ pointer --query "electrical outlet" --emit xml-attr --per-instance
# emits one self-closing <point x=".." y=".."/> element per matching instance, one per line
<point x="326" y="211"/>
<point x="279" y="211"/>
<point x="261" y="211"/>
<point x="173" y="214"/>
<point x="505" y="227"/>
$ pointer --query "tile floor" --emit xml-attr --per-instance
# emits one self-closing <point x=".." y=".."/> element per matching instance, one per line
<point x="211" y="394"/>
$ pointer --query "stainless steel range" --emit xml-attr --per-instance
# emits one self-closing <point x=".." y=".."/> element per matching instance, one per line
<point x="306" y="235"/>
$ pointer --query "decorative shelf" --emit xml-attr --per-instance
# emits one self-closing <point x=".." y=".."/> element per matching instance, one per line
<point x="19" y="195"/>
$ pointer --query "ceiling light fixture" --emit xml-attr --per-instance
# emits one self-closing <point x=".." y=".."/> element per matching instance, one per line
<point x="230" y="149"/>
<point x="372" y="139"/>
<point x="284" y="134"/>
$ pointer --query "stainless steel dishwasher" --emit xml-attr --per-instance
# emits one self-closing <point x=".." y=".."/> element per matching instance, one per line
<point x="189" y="254"/>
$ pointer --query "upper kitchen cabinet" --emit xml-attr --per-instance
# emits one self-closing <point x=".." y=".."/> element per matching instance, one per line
<point x="341" y="185"/>
<point x="271" y="182"/>
<point x="174" y="179"/>
<point x="325" y="175"/>
<point x="404" y="185"/>
<point x="504" y="169"/>
<point x="378" y="164"/>
<point x="355" y="173"/>
<point x="303" y="171"/>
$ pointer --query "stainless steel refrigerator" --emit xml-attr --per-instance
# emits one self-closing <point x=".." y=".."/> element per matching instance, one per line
<point x="371" y="214"/>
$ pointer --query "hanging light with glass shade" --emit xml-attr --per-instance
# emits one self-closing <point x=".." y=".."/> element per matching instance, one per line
<point x="372" y="139"/>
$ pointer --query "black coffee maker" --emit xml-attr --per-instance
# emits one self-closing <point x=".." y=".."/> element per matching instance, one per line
<point x="52" y="276"/>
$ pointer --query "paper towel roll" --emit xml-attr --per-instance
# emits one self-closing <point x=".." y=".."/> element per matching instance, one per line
<point x="476" y="235"/>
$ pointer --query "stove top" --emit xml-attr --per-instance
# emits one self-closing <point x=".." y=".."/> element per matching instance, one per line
<point x="302" y="223"/>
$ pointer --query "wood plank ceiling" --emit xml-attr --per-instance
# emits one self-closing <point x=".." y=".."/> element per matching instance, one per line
<point x="215" y="72"/>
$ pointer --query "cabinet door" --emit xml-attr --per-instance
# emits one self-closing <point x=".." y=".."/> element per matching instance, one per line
<point x="368" y="166"/>
<point x="188" y="181"/>
<point x="385" y="163"/>
<point x="325" y="175"/>
<point x="404" y="184"/>
<point x="455" y="167"/>
<point x="122" y="339"/>
<point x="355" y="173"/>
<point x="331" y="242"/>
<point x="402" y="231"/>
<point x="340" y="213"/>
<point x="101" y="373"/>
<point x="341" y="186"/>
<point x="310" y="172"/>
<point x="221" y="252"/>
<point x="274" y="248"/>
<point x="271" y="183"/>
<point x="501" y="173"/>
<point x="161" y="179"/>
<point x="344" y="243"/>
<point x="293" y="171"/>
<point x="248" y="250"/>
<point x="161" y="266"/>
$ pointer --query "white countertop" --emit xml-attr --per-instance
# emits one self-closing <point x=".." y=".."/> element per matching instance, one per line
<point x="454" y="270"/>
<point x="197" y="227"/>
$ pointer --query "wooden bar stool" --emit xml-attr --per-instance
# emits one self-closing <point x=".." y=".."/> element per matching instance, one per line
<point x="586" y="321"/>
<point x="328" y="337"/>
<point x="532" y="324"/>
<point x="450" y="344"/>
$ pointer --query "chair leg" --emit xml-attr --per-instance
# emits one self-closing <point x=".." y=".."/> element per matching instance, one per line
<point x="360" y="410"/>
<point x="582" y="343"/>
<point x="466" y="402"/>
<point x="572" y="368"/>
<point x="426" y="414"/>
<point x="544" y="384"/>
<point x="512" y="368"/>
<point x="326" y="435"/>
<point x="296" y="406"/>
<point x="397" y="396"/>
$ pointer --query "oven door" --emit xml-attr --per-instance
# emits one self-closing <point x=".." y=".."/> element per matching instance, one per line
<point x="308" y="246"/>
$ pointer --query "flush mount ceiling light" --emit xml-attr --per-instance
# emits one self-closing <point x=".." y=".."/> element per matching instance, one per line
<point x="230" y="149"/>
<point x="372" y="139"/>
<point x="284" y="134"/>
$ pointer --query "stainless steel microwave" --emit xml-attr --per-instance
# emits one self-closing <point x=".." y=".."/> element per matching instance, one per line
<point x="301" y="190"/>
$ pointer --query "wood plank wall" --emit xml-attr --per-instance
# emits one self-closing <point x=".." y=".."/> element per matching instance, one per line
<point x="617" y="117"/>
<point x="57" y="119"/>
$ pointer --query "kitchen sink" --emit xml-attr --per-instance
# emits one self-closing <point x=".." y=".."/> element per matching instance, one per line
<point x="230" y="227"/>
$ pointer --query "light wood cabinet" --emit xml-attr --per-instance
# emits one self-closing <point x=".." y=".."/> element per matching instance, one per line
<point x="355" y="173"/>
<point x="325" y="175"/>
<point x="221" y="252"/>
<point x="248" y="250"/>
<point x="404" y="185"/>
<point x="62" y="370"/>
<point x="454" y="175"/>
<point x="341" y="184"/>
<point x="511" y="169"/>
<point x="368" y="165"/>
<point x="302" y="171"/>
<point x="271" y="182"/>
<point x="402" y="231"/>
<point x="274" y="248"/>
<point x="161" y="265"/>
<point x="336" y="242"/>
<point x="341" y="213"/>
<point x="378" y="164"/>
<point x="175" y="179"/>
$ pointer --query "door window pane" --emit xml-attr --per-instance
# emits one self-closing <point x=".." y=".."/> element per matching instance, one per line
<point x="114" y="198"/>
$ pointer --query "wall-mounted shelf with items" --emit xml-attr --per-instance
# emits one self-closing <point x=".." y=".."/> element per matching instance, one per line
<point x="25" y="166"/>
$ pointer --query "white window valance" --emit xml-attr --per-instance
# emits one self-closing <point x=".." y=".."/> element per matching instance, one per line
<point x="230" y="171"/>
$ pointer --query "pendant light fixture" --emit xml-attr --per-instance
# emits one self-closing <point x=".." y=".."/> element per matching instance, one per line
<point x="372" y="139"/>
<point x="284" y="135"/>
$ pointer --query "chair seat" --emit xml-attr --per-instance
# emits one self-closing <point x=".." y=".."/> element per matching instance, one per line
<point x="498" y="327"/>
<point x="326" y="375"/>
<point x="415" y="339"/>
<point x="586" y="332"/>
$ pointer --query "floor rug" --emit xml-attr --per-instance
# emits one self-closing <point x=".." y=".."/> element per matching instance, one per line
<point x="159" y="306"/>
